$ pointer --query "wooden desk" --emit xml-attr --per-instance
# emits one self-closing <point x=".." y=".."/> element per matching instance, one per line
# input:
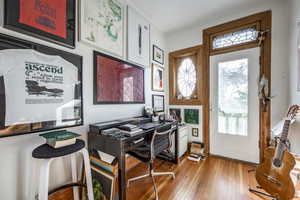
<point x="119" y="146"/>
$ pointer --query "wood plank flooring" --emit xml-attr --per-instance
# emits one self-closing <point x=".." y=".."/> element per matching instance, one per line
<point x="212" y="179"/>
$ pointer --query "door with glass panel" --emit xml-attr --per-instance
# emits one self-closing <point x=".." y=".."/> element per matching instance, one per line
<point x="234" y="106"/>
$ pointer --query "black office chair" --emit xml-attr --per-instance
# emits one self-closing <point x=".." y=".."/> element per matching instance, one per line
<point x="160" y="141"/>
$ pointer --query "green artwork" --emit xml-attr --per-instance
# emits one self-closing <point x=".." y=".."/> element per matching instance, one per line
<point x="191" y="116"/>
<point x="102" y="24"/>
<point x="98" y="193"/>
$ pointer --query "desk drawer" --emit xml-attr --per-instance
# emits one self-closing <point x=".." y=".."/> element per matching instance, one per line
<point x="183" y="144"/>
<point x="133" y="144"/>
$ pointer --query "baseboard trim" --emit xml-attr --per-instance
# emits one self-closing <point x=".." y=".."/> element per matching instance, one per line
<point x="233" y="159"/>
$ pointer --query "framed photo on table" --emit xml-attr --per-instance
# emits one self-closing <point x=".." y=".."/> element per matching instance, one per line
<point x="102" y="25"/>
<point x="158" y="103"/>
<point x="50" y="20"/>
<point x="157" y="78"/>
<point x="158" y="55"/>
<point x="176" y="114"/>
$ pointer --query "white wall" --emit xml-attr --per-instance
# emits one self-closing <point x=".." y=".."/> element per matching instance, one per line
<point x="192" y="36"/>
<point x="294" y="70"/>
<point x="15" y="152"/>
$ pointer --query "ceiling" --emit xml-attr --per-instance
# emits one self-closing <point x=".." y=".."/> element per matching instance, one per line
<point x="170" y="15"/>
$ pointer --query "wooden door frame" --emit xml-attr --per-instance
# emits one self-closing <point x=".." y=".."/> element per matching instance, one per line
<point x="263" y="21"/>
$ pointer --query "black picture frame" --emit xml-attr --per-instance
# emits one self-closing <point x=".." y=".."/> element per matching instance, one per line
<point x="9" y="42"/>
<point x="191" y="116"/>
<point x="162" y="53"/>
<point x="95" y="101"/>
<point x="153" y="102"/>
<point x="176" y="113"/>
<point x="195" y="132"/>
<point x="11" y="21"/>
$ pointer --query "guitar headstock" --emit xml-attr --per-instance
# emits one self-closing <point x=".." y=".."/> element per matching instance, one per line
<point x="293" y="112"/>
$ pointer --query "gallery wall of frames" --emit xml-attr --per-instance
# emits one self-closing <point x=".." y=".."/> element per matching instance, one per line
<point x="51" y="79"/>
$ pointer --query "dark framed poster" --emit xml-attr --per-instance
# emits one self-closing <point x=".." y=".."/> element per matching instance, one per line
<point x="40" y="88"/>
<point x="117" y="81"/>
<point x="51" y="20"/>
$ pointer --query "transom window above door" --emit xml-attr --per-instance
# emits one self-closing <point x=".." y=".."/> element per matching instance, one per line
<point x="245" y="35"/>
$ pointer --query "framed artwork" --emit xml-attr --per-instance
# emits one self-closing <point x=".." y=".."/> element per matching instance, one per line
<point x="138" y="38"/>
<point x="158" y="103"/>
<point x="157" y="78"/>
<point x="50" y="20"/>
<point x="40" y="88"/>
<point x="176" y="114"/>
<point x="191" y="116"/>
<point x="103" y="184"/>
<point x="102" y="25"/>
<point x="158" y="55"/>
<point x="195" y="132"/>
<point x="117" y="81"/>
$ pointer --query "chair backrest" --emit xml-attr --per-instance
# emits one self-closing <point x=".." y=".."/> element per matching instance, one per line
<point x="161" y="140"/>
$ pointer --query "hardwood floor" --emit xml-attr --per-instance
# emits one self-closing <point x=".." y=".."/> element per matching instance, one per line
<point x="212" y="179"/>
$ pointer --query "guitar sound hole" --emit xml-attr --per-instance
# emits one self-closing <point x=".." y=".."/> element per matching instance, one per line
<point x="277" y="162"/>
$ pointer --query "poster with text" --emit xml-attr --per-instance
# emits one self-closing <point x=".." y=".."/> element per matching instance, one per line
<point x="46" y="15"/>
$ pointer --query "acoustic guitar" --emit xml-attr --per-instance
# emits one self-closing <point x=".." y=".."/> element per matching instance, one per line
<point x="273" y="175"/>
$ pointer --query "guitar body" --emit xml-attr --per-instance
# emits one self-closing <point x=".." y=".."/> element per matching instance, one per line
<point x="276" y="181"/>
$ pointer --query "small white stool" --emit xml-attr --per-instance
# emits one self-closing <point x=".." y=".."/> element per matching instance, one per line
<point x="47" y="154"/>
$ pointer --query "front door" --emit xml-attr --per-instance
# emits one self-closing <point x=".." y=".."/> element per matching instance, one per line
<point x="234" y="106"/>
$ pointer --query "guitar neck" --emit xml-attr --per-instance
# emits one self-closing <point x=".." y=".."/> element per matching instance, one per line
<point x="285" y="130"/>
<point x="277" y="160"/>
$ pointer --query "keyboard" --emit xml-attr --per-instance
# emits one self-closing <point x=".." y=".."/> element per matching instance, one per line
<point x="150" y="125"/>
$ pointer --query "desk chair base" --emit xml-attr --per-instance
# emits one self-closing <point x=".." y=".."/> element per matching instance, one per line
<point x="151" y="174"/>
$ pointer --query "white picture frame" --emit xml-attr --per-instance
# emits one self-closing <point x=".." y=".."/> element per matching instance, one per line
<point x="138" y="38"/>
<point x="97" y="31"/>
<point x="157" y="78"/>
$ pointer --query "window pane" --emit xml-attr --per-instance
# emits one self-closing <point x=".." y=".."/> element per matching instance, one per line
<point x="233" y="97"/>
<point x="238" y="37"/>
<point x="186" y="78"/>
